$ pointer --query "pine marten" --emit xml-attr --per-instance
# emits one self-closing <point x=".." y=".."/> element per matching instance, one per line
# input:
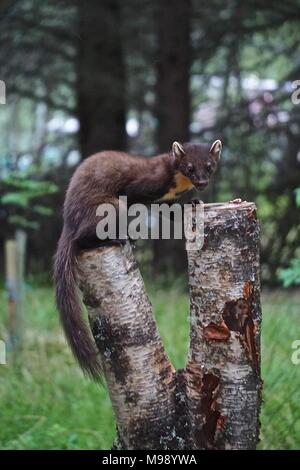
<point x="99" y="179"/>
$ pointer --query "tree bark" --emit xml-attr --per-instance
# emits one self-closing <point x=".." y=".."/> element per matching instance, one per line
<point x="224" y="357"/>
<point x="214" y="402"/>
<point x="139" y="375"/>
<point x="101" y="77"/>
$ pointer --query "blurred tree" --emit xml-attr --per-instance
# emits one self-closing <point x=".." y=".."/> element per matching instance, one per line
<point x="173" y="72"/>
<point x="177" y="70"/>
<point x="172" y="104"/>
<point x="246" y="73"/>
<point x="100" y="77"/>
<point x="42" y="66"/>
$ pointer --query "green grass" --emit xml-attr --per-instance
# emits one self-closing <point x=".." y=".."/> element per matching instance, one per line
<point x="47" y="404"/>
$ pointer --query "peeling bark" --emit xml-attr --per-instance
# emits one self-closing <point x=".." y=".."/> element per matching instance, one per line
<point x="214" y="402"/>
<point x="225" y="328"/>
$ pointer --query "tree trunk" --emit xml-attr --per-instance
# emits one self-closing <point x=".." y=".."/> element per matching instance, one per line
<point x="173" y="105"/>
<point x="214" y="402"/>
<point x="101" y="77"/>
<point x="138" y="373"/>
<point x="224" y="358"/>
<point x="173" y="72"/>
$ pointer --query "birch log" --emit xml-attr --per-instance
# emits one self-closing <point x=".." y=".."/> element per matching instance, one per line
<point x="138" y="373"/>
<point x="214" y="402"/>
<point x="223" y="371"/>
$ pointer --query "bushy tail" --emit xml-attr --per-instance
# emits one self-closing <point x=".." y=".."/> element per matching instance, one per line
<point x="68" y="304"/>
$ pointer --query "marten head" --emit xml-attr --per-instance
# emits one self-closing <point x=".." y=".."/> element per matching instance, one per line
<point x="197" y="161"/>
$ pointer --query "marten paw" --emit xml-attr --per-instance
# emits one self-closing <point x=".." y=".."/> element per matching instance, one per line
<point x="236" y="201"/>
<point x="196" y="201"/>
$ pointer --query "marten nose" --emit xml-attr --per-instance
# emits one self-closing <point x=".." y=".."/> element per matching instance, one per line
<point x="202" y="184"/>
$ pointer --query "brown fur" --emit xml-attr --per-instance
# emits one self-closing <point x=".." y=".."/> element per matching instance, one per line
<point x="101" y="179"/>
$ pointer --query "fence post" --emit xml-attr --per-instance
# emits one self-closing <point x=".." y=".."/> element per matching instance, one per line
<point x="15" y="267"/>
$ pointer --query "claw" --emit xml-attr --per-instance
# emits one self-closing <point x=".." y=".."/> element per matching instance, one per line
<point x="236" y="201"/>
<point x="195" y="201"/>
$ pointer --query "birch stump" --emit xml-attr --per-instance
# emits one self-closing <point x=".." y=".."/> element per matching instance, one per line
<point x="214" y="402"/>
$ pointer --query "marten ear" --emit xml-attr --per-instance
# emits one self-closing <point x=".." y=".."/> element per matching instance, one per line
<point x="177" y="150"/>
<point x="215" y="149"/>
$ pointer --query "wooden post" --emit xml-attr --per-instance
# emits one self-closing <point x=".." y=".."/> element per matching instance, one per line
<point x="15" y="266"/>
<point x="214" y="402"/>
<point x="2" y="352"/>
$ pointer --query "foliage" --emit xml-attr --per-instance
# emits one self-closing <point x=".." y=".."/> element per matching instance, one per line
<point x="291" y="275"/>
<point x="47" y="404"/>
<point x="297" y="192"/>
<point x="18" y="193"/>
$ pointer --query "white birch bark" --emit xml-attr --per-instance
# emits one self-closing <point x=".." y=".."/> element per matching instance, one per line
<point x="214" y="402"/>
<point x="224" y="360"/>
<point x="139" y="376"/>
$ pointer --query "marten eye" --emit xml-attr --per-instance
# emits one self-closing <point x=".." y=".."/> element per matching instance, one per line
<point x="190" y="168"/>
<point x="208" y="166"/>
